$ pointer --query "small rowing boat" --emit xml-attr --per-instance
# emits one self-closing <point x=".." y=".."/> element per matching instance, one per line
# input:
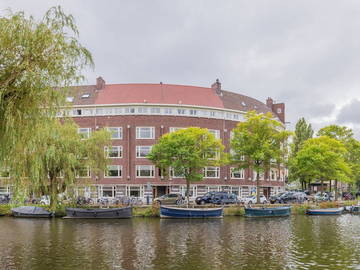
<point x="267" y="212"/>
<point x="124" y="212"/>
<point x="31" y="212"/>
<point x="325" y="211"/>
<point x="177" y="212"/>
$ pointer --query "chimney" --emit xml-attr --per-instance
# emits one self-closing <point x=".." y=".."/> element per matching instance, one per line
<point x="269" y="102"/>
<point x="100" y="83"/>
<point x="216" y="86"/>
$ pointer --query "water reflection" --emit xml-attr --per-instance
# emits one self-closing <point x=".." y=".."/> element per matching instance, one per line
<point x="232" y="243"/>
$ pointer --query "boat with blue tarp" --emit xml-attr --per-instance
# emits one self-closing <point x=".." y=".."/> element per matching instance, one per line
<point x="177" y="212"/>
<point x="283" y="211"/>
<point x="325" y="211"/>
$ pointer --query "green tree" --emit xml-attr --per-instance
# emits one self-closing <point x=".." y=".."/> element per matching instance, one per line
<point x="303" y="131"/>
<point x="321" y="158"/>
<point x="187" y="152"/>
<point x="35" y="57"/>
<point x="258" y="143"/>
<point x="55" y="155"/>
<point x="352" y="156"/>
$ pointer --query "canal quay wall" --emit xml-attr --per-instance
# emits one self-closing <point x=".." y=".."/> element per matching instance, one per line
<point x="229" y="210"/>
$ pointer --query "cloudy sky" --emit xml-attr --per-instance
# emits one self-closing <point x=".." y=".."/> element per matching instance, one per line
<point x="304" y="53"/>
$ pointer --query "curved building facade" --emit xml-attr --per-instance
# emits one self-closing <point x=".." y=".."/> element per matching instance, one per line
<point x="139" y="114"/>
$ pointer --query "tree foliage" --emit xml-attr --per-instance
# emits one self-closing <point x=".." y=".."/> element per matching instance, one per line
<point x="321" y="158"/>
<point x="303" y="131"/>
<point x="352" y="155"/>
<point x="187" y="152"/>
<point x="35" y="57"/>
<point x="257" y="143"/>
<point x="54" y="155"/>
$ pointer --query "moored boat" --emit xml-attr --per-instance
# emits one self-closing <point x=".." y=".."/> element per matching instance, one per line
<point x="31" y="212"/>
<point x="355" y="209"/>
<point x="124" y="212"/>
<point x="325" y="211"/>
<point x="177" y="212"/>
<point x="283" y="211"/>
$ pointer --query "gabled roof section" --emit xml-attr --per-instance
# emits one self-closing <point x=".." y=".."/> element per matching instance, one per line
<point x="240" y="102"/>
<point x="158" y="94"/>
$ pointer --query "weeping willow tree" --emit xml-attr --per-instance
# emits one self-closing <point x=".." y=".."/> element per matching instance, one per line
<point x="39" y="59"/>
<point x="55" y="156"/>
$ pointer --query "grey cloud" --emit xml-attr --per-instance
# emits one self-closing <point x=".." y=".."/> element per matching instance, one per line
<point x="303" y="53"/>
<point x="350" y="113"/>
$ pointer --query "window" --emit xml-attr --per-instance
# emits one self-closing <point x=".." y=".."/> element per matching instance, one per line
<point x="143" y="110"/>
<point x="83" y="172"/>
<point x="193" y="112"/>
<point x="215" y="132"/>
<point x="129" y="110"/>
<point x="84" y="132"/>
<point x="181" y="111"/>
<point x="176" y="174"/>
<point x="108" y="191"/>
<point x="279" y="110"/>
<point x="261" y="175"/>
<point x="145" y="132"/>
<point x="70" y="99"/>
<point x="134" y="191"/>
<point x="142" y="150"/>
<point x="77" y="112"/>
<point x="145" y="171"/>
<point x="237" y="174"/>
<point x="116" y="132"/>
<point x="211" y="172"/>
<point x="168" y="111"/>
<point x="113" y="151"/>
<point x="212" y="155"/>
<point x="272" y="175"/>
<point x="243" y="103"/>
<point x="155" y="110"/>
<point x="113" y="171"/>
<point x="85" y="96"/>
<point x="172" y="129"/>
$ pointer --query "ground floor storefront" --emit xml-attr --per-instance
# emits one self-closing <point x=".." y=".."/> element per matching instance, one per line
<point x="149" y="191"/>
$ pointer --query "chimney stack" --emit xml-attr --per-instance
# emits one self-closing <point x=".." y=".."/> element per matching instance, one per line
<point x="100" y="83"/>
<point x="269" y="102"/>
<point x="216" y="86"/>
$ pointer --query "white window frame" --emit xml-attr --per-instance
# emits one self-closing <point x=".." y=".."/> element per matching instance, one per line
<point x="173" y="129"/>
<point x="239" y="171"/>
<point x="88" y="173"/>
<point x="138" y="133"/>
<point x="118" y="130"/>
<point x="138" y="150"/>
<point x="118" y="169"/>
<point x="84" y="132"/>
<point x="173" y="175"/>
<point x="212" y="169"/>
<point x="215" y="132"/>
<point x="119" y="150"/>
<point x="139" y="168"/>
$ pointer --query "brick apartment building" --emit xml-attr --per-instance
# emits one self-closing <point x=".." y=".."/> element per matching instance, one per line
<point x="139" y="114"/>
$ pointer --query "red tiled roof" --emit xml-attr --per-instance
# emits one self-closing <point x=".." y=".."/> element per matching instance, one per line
<point x="158" y="93"/>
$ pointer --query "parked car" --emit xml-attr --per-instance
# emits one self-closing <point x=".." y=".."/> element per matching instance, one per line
<point x="171" y="198"/>
<point x="324" y="196"/>
<point x="291" y="197"/>
<point x="252" y="199"/>
<point x="274" y="198"/>
<point x="4" y="198"/>
<point x="347" y="196"/>
<point x="217" y="198"/>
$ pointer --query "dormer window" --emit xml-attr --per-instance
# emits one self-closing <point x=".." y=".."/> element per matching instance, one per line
<point x="279" y="110"/>
<point x="243" y="103"/>
<point x="85" y="95"/>
<point x="70" y="99"/>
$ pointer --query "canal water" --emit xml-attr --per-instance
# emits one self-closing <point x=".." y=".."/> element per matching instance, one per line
<point x="298" y="242"/>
